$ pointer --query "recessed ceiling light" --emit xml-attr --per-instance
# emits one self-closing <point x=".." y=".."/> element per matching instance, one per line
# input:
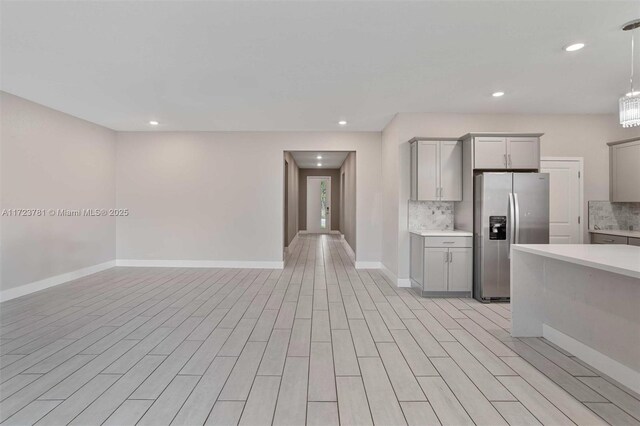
<point x="342" y="122"/>
<point x="153" y="123"/>
<point x="497" y="94"/>
<point x="319" y="157"/>
<point x="574" y="47"/>
<point x="319" y="164"/>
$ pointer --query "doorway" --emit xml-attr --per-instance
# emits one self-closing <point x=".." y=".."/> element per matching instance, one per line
<point x="565" y="199"/>
<point x="318" y="204"/>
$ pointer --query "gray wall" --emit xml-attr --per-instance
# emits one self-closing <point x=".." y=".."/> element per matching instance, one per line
<point x="51" y="160"/>
<point x="349" y="213"/>
<point x="291" y="225"/>
<point x="335" y="196"/>
<point x="219" y="195"/>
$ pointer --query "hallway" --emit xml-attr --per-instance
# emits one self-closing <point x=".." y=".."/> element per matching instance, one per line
<point x="317" y="343"/>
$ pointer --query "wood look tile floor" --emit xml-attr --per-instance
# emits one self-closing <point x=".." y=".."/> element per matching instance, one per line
<point x="317" y="343"/>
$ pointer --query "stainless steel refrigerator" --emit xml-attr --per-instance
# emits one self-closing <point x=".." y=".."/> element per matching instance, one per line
<point x="509" y="208"/>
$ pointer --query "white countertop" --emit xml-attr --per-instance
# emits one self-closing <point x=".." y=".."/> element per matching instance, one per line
<point x="617" y="258"/>
<point x="442" y="233"/>
<point x="618" y="232"/>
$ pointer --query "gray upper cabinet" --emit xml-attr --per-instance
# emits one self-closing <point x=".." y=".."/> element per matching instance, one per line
<point x="436" y="170"/>
<point x="624" y="170"/>
<point x="505" y="152"/>
<point x="490" y="152"/>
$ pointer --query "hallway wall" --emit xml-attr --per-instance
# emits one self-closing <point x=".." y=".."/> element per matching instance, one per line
<point x="335" y="196"/>
<point x="349" y="212"/>
<point x="292" y="199"/>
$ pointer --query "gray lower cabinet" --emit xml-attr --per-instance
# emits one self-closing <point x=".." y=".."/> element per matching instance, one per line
<point x="597" y="238"/>
<point x="441" y="266"/>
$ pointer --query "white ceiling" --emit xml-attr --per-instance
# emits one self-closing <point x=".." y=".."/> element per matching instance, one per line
<point x="309" y="159"/>
<point x="299" y="65"/>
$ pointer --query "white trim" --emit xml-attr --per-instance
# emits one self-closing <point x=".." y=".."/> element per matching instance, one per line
<point x="580" y="161"/>
<point x="201" y="263"/>
<point x="368" y="265"/>
<point x="602" y="362"/>
<point x="400" y="282"/>
<point x="25" y="289"/>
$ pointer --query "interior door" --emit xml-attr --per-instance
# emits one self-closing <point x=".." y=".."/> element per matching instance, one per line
<point x="435" y="269"/>
<point x="428" y="181"/>
<point x="318" y="204"/>
<point x="565" y="200"/>
<point x="523" y="153"/>
<point x="451" y="171"/>
<point x="490" y="152"/>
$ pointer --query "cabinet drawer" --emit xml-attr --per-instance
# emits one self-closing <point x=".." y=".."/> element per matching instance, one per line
<point x="607" y="239"/>
<point x="634" y="241"/>
<point x="447" y="242"/>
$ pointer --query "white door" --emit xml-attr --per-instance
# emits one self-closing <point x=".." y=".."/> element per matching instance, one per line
<point x="318" y="204"/>
<point x="428" y="172"/>
<point x="522" y="153"/>
<point x="565" y="199"/>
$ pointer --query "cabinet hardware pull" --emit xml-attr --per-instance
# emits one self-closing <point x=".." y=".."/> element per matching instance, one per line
<point x="450" y="257"/>
<point x="448" y="242"/>
<point x="505" y="161"/>
<point x="510" y="163"/>
<point x="608" y="241"/>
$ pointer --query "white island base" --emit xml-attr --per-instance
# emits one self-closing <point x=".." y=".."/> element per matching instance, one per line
<point x="583" y="298"/>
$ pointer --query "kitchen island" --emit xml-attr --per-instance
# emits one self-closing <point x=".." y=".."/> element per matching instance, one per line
<point x="583" y="298"/>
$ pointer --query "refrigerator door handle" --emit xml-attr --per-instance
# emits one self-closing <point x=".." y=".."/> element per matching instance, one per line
<point x="516" y="240"/>
<point x="512" y="230"/>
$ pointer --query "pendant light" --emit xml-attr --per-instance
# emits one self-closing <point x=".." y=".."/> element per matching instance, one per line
<point x="630" y="103"/>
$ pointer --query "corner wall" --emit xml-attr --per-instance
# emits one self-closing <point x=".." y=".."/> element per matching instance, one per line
<point x="565" y="136"/>
<point x="51" y="160"/>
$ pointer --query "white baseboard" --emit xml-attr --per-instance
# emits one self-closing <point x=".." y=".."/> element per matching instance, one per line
<point x="25" y="289"/>
<point x="368" y="265"/>
<point x="400" y="282"/>
<point x="202" y="264"/>
<point x="602" y="362"/>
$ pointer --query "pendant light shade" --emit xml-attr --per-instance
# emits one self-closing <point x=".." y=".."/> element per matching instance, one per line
<point x="629" y="104"/>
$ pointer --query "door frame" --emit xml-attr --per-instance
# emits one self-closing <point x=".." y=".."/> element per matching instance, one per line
<point x="580" y="161"/>
<point x="328" y="229"/>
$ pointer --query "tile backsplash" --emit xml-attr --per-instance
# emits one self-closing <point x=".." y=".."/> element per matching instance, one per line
<point x="607" y="215"/>
<point x="430" y="215"/>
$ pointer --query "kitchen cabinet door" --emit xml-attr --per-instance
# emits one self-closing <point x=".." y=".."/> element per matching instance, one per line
<point x="523" y="153"/>
<point x="435" y="269"/>
<point x="428" y="171"/>
<point x="625" y="172"/>
<point x="460" y="266"/>
<point x="490" y="152"/>
<point x="451" y="171"/>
